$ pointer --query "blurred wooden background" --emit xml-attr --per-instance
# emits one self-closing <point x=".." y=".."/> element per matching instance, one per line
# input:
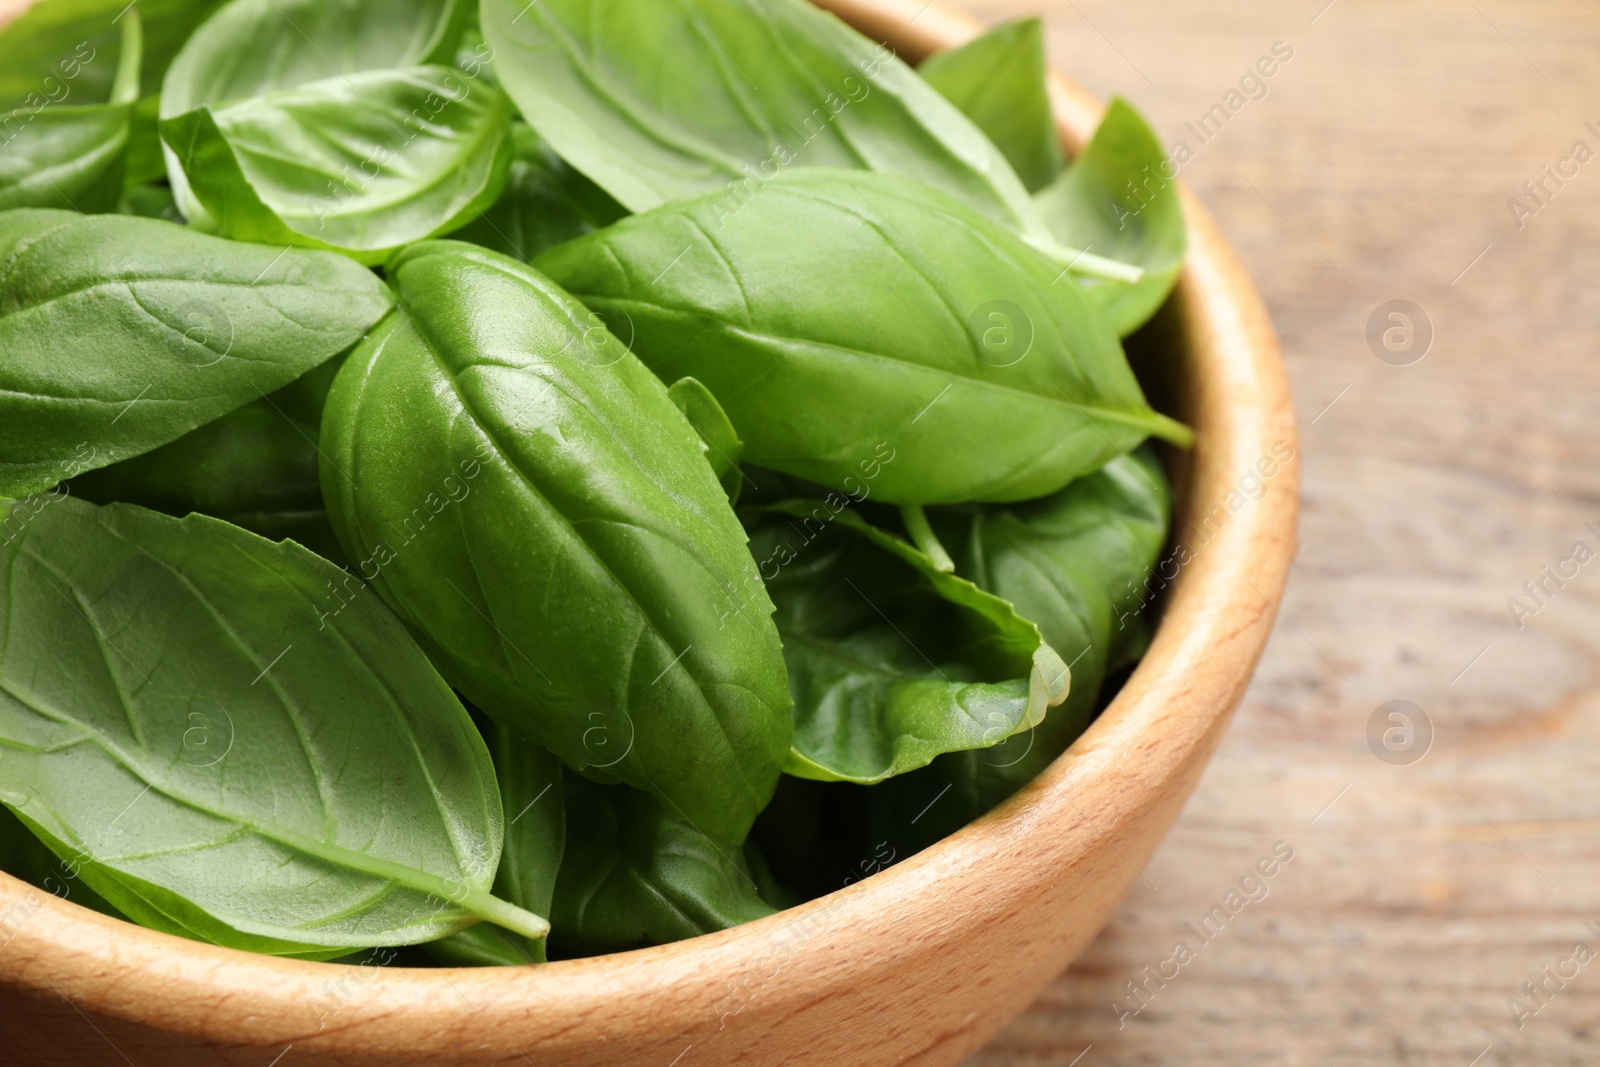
<point x="1378" y="166"/>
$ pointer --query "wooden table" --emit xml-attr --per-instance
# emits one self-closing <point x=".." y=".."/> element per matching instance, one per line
<point x="1378" y="166"/>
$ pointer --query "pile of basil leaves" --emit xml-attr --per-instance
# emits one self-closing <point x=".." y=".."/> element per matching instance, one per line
<point x="554" y="476"/>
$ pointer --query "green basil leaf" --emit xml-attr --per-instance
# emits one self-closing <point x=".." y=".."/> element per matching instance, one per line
<point x="119" y="334"/>
<point x="719" y="442"/>
<point x="659" y="100"/>
<point x="360" y="163"/>
<point x="72" y="156"/>
<point x="545" y="203"/>
<point x="253" y="47"/>
<point x="903" y="325"/>
<point x="891" y="661"/>
<point x="519" y="487"/>
<point x="265" y="774"/>
<point x="271" y="48"/>
<point x="998" y="81"/>
<point x="1075" y="563"/>
<point x="168" y="24"/>
<point x="65" y="157"/>
<point x="636" y="872"/>
<point x="536" y="834"/>
<point x="65" y="50"/>
<point x="24" y="856"/>
<point x="145" y="161"/>
<point x="255" y="467"/>
<point x="149" y="202"/>
<point x="68" y="52"/>
<point x="1119" y="199"/>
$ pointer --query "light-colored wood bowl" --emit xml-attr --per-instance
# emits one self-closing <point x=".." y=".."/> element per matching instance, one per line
<point x="919" y="964"/>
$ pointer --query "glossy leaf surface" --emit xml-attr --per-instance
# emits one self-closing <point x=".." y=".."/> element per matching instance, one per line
<point x="892" y="662"/>
<point x="72" y="156"/>
<point x="68" y="158"/>
<point x="120" y="334"/>
<point x="536" y="834"/>
<point x="998" y="81"/>
<point x="333" y="124"/>
<point x="223" y="760"/>
<point x="719" y="441"/>
<point x="1075" y="563"/>
<point x="523" y="491"/>
<point x="1119" y="198"/>
<point x="659" y="100"/>
<point x="903" y="323"/>
<point x="66" y="54"/>
<point x="361" y="163"/>
<point x="254" y="47"/>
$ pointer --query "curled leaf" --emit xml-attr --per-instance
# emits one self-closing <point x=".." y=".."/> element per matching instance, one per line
<point x="1119" y="198"/>
<point x="892" y="662"/>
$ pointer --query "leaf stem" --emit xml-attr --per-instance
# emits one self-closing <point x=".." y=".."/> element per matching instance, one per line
<point x="492" y="909"/>
<point x="1172" y="431"/>
<point x="125" y="83"/>
<point x="1082" y="261"/>
<point x="923" y="537"/>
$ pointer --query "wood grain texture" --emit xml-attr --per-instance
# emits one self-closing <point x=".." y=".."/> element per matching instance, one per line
<point x="919" y="964"/>
<point x="1377" y="167"/>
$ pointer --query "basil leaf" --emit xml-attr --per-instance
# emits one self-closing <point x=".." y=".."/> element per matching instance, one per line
<point x="255" y="467"/>
<point x="149" y="202"/>
<point x="24" y="856"/>
<point x="522" y="490"/>
<point x="119" y="334"/>
<point x="1119" y="198"/>
<point x="536" y="834"/>
<point x="719" y="442"/>
<point x="253" y="47"/>
<point x="145" y="161"/>
<point x="71" y="49"/>
<point x="361" y="163"/>
<point x="65" y="157"/>
<point x="902" y="326"/>
<point x="545" y="203"/>
<point x="72" y="156"/>
<point x="998" y="81"/>
<point x="891" y="661"/>
<point x="70" y="52"/>
<point x="659" y="100"/>
<point x="168" y="24"/>
<point x="636" y="872"/>
<point x="60" y="51"/>
<point x="257" y="48"/>
<point x="1075" y="563"/>
<point x="266" y="773"/>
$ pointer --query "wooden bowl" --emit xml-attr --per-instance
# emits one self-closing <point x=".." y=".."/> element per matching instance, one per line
<point x="919" y="964"/>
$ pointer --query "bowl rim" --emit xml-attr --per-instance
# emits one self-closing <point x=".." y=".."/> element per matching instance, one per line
<point x="1144" y="750"/>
